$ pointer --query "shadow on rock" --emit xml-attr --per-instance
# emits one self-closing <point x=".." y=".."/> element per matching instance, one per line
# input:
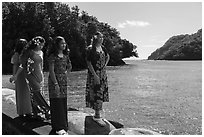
<point x="32" y="123"/>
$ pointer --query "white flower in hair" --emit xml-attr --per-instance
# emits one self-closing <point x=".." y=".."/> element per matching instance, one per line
<point x="95" y="36"/>
<point x="37" y="42"/>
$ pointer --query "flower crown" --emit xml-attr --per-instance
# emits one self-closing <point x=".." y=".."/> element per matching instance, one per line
<point x="95" y="36"/>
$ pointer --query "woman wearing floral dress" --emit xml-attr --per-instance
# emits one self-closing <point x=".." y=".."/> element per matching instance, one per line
<point x="59" y="67"/>
<point x="32" y="61"/>
<point x="97" y="85"/>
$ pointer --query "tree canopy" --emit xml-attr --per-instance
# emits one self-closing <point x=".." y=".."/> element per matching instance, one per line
<point x="50" y="19"/>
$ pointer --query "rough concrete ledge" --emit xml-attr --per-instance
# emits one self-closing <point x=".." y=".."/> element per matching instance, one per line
<point x="23" y="126"/>
<point x="10" y="127"/>
<point x="79" y="123"/>
<point x="133" y="131"/>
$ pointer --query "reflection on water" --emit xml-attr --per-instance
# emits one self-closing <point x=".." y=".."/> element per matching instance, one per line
<point x="159" y="95"/>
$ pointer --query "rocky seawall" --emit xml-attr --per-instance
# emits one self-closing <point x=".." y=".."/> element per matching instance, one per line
<point x="79" y="123"/>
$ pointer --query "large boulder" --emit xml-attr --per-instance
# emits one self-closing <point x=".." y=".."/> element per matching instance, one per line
<point x="9" y="95"/>
<point x="78" y="122"/>
<point x="83" y="124"/>
<point x="133" y="131"/>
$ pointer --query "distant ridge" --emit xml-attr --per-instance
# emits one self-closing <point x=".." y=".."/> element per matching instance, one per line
<point x="181" y="47"/>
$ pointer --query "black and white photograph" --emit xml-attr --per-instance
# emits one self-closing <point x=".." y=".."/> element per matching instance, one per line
<point x="101" y="67"/>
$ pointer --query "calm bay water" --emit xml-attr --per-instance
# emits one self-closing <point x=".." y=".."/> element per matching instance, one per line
<point x="164" y="96"/>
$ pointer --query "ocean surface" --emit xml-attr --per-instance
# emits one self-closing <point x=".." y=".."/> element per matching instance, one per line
<point x="164" y="96"/>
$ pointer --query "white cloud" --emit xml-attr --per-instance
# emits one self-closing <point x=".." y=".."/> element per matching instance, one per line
<point x="121" y="25"/>
<point x="133" y="24"/>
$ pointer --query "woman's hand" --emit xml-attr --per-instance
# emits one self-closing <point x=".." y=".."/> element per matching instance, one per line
<point x="57" y="88"/>
<point x="69" y="66"/>
<point x="13" y="78"/>
<point x="96" y="80"/>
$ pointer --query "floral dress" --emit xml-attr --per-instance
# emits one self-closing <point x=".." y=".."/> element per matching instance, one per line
<point x="61" y="64"/>
<point x="32" y="62"/>
<point x="96" y="94"/>
<point x="58" y="99"/>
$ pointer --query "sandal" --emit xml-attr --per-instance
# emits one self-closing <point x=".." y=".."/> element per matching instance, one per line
<point x="28" y="116"/>
<point x="21" y="116"/>
<point x="61" y="132"/>
<point x="99" y="121"/>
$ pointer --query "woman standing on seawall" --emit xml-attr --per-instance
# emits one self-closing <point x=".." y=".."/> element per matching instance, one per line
<point x="23" y="101"/>
<point x="97" y="85"/>
<point x="59" y="67"/>
<point x="32" y="60"/>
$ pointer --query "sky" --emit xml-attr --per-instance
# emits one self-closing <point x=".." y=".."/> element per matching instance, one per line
<point x="148" y="25"/>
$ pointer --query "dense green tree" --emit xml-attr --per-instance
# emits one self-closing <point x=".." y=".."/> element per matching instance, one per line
<point x="22" y="20"/>
<point x="50" y="19"/>
<point x="181" y="47"/>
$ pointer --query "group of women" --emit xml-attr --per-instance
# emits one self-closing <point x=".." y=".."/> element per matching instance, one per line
<point x="28" y="77"/>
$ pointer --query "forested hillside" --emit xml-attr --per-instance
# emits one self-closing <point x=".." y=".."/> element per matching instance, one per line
<point x="50" y="19"/>
<point x="181" y="47"/>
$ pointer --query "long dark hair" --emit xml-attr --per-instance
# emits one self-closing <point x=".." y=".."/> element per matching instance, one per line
<point x="19" y="45"/>
<point x="55" y="47"/>
<point x="32" y="45"/>
<point x="94" y="40"/>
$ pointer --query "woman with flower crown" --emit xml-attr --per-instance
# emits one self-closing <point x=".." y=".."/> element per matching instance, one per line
<point x="32" y="60"/>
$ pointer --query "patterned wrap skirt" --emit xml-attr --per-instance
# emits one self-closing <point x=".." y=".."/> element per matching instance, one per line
<point x="97" y="94"/>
